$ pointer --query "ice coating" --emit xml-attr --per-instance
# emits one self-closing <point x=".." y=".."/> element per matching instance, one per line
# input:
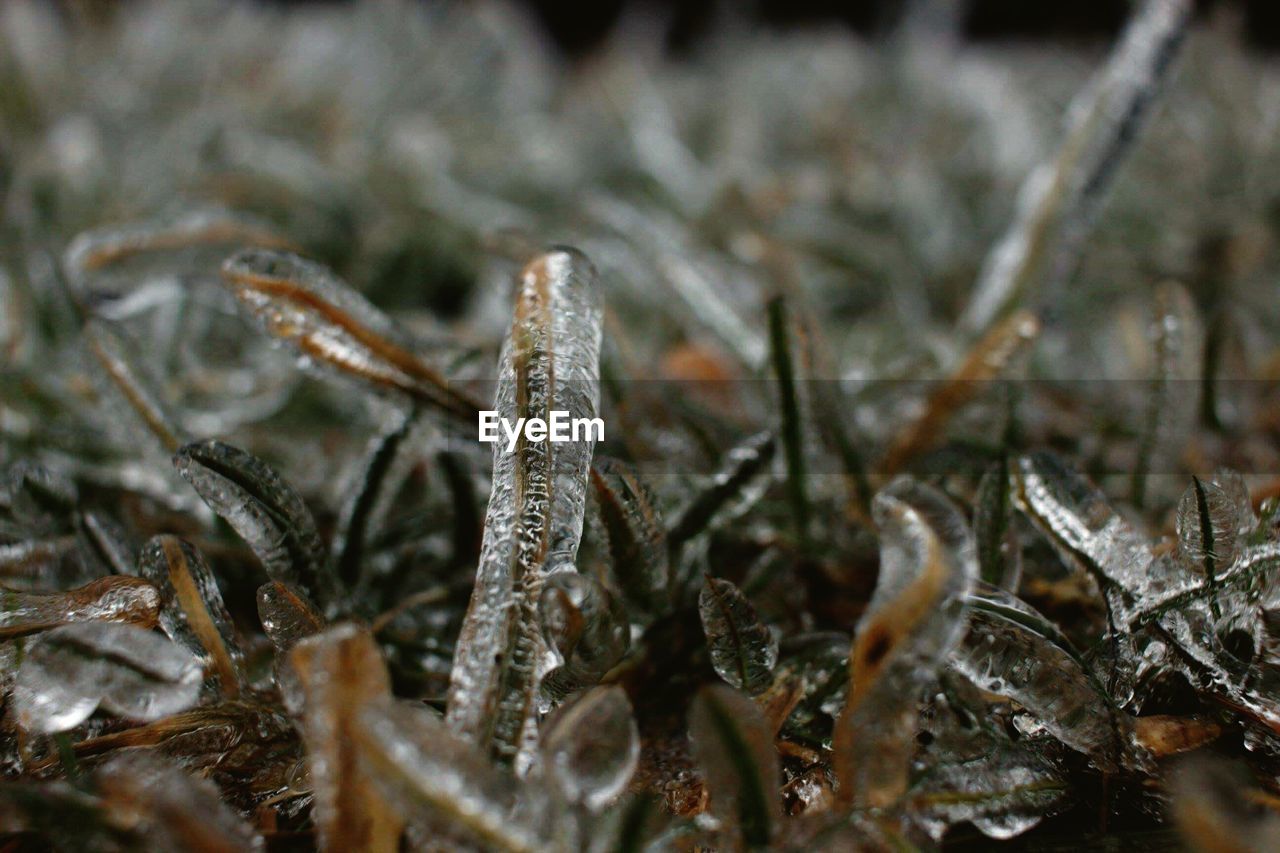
<point x="70" y="671"/>
<point x="1060" y="198"/>
<point x="914" y="619"/>
<point x="133" y="394"/>
<point x="330" y="323"/>
<point x="341" y="672"/>
<point x="109" y="599"/>
<point x="438" y="780"/>
<point x="287" y="615"/>
<point x="590" y="747"/>
<point x="262" y="508"/>
<point x="1011" y="650"/>
<point x="194" y="613"/>
<point x="743" y="650"/>
<point x="586" y="629"/>
<point x="549" y="361"/>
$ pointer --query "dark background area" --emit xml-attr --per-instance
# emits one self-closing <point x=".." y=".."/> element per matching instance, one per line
<point x="577" y="26"/>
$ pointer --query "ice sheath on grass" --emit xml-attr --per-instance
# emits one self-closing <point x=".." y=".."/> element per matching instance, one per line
<point x="549" y="361"/>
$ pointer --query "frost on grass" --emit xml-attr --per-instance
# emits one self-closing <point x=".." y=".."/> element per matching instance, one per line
<point x="871" y="557"/>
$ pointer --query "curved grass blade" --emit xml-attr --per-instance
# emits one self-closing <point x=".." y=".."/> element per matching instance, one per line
<point x="914" y="619"/>
<point x="71" y="671"/>
<point x="328" y="322"/>
<point x="590" y="747"/>
<point x="341" y="673"/>
<point x="360" y="514"/>
<point x="263" y="509"/>
<point x="94" y="250"/>
<point x="1210" y="521"/>
<point x="743" y="650"/>
<point x="734" y="747"/>
<point x="109" y="599"/>
<point x="549" y="361"/>
<point x="194" y="614"/>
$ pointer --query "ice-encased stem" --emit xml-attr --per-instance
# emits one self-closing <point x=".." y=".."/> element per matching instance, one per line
<point x="549" y="361"/>
<point x="1060" y="198"/>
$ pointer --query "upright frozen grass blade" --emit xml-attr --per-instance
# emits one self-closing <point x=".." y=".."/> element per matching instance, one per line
<point x="999" y="556"/>
<point x="71" y="671"/>
<point x="914" y="619"/>
<point x="1060" y="198"/>
<point x="792" y="426"/>
<point x="734" y="746"/>
<point x="332" y="325"/>
<point x="342" y="673"/>
<point x="743" y="650"/>
<point x="549" y="361"/>
<point x="194" y="613"/>
<point x="265" y="510"/>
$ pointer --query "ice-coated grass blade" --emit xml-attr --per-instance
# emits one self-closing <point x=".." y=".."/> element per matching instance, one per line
<point x="329" y="323"/>
<point x="991" y="357"/>
<point x="590" y="747"/>
<point x="263" y="509"/>
<point x="792" y="421"/>
<point x="341" y="673"/>
<point x="1177" y="345"/>
<point x="549" y="361"/>
<point x="109" y="599"/>
<point x="734" y="747"/>
<point x="359" y="514"/>
<point x="178" y="811"/>
<point x="999" y="559"/>
<point x="636" y="533"/>
<point x="743" y="649"/>
<point x="103" y="536"/>
<point x="194" y="614"/>
<point x="1210" y="520"/>
<point x="438" y="782"/>
<point x="71" y="671"/>
<point x="95" y="250"/>
<point x="734" y="487"/>
<point x="1060" y="198"/>
<point x="133" y="393"/>
<point x="1011" y="650"/>
<point x="914" y="619"/>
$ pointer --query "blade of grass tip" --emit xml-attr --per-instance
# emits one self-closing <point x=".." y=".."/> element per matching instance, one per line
<point x="325" y="320"/>
<point x="994" y="355"/>
<point x="1060" y="198"/>
<point x="792" y="428"/>
<point x="744" y="466"/>
<point x="549" y="362"/>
